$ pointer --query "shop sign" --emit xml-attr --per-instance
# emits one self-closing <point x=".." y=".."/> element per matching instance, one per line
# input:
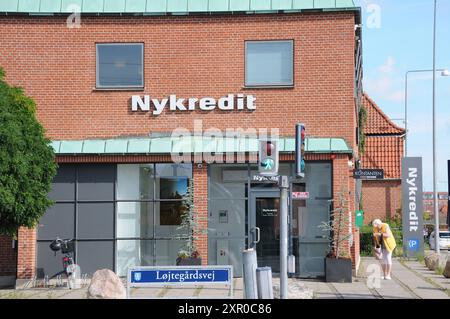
<point x="230" y="102"/>
<point x="412" y="194"/>
<point x="300" y="195"/>
<point x="269" y="212"/>
<point x="368" y="174"/>
<point x="263" y="178"/>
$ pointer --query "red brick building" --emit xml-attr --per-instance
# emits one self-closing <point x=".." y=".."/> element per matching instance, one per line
<point x="108" y="94"/>
<point x="384" y="150"/>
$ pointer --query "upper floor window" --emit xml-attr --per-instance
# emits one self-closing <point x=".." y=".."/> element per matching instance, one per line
<point x="269" y="63"/>
<point x="120" y="65"/>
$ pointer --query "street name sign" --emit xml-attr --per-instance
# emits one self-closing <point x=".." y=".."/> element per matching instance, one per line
<point x="154" y="276"/>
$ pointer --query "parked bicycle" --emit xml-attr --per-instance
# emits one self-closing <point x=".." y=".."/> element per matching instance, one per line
<point x="67" y="248"/>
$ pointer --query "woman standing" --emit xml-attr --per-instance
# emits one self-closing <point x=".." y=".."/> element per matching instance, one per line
<point x="383" y="236"/>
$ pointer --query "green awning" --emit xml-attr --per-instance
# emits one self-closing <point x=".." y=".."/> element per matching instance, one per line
<point x="191" y="144"/>
<point x="162" y="7"/>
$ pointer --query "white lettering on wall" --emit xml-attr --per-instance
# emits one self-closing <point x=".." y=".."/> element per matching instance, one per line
<point x="227" y="103"/>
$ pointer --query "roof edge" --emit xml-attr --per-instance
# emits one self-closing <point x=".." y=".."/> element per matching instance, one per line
<point x="378" y="109"/>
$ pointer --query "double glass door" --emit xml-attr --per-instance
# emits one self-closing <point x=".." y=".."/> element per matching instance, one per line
<point x="264" y="227"/>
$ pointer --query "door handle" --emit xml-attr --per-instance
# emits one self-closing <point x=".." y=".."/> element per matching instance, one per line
<point x="258" y="235"/>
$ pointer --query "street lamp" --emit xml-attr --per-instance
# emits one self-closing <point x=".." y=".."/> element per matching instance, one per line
<point x="444" y="72"/>
<point x="435" y="199"/>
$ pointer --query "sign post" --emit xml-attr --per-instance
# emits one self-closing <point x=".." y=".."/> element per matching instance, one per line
<point x="412" y="198"/>
<point x="284" y="186"/>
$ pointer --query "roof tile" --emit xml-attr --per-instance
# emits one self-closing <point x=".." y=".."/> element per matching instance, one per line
<point x="378" y="122"/>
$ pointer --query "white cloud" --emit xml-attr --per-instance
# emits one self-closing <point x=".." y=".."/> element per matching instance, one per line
<point x="382" y="83"/>
<point x="388" y="66"/>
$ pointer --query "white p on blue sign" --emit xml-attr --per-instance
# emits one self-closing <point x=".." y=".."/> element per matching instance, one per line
<point x="154" y="276"/>
<point x="414" y="244"/>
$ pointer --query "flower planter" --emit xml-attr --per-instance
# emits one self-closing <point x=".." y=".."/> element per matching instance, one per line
<point x="338" y="270"/>
<point x="189" y="261"/>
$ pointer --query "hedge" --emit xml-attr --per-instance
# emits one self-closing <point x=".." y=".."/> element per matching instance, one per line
<point x="366" y="239"/>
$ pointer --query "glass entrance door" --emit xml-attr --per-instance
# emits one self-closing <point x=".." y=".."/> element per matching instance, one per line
<point x="265" y="228"/>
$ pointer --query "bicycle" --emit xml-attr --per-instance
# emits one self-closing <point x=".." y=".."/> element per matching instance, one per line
<point x="67" y="248"/>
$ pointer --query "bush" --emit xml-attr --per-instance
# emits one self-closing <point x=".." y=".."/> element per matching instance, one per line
<point x="366" y="241"/>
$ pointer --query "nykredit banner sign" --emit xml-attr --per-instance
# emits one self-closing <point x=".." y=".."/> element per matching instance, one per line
<point x="412" y="206"/>
<point x="173" y="103"/>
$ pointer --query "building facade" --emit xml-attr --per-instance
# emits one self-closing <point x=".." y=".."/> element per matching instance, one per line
<point x="139" y="105"/>
<point x="384" y="150"/>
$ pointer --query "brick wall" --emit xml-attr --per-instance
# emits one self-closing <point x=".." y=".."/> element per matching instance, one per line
<point x="8" y="257"/>
<point x="191" y="56"/>
<point x="200" y="177"/>
<point x="381" y="199"/>
<point x="26" y="253"/>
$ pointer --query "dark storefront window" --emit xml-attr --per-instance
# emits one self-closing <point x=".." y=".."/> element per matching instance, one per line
<point x="119" y="215"/>
<point x="83" y="211"/>
<point x="269" y="63"/>
<point x="120" y="65"/>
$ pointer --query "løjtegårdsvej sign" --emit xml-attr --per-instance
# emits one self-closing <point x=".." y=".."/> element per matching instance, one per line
<point x="179" y="275"/>
<point x="412" y="218"/>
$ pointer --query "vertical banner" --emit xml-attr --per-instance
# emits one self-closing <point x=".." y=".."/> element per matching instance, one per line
<point x="412" y="200"/>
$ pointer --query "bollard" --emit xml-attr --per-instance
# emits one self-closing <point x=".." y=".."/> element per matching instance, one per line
<point x="264" y="282"/>
<point x="250" y="265"/>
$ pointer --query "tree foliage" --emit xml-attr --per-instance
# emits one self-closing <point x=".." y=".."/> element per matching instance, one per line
<point x="27" y="162"/>
<point x="362" y="121"/>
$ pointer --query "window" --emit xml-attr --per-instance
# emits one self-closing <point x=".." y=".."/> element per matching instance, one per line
<point x="269" y="63"/>
<point x="120" y="65"/>
<point x="150" y="204"/>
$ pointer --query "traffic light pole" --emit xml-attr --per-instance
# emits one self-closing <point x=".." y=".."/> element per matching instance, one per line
<point x="283" y="183"/>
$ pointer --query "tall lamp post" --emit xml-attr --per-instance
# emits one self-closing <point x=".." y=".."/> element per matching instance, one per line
<point x="435" y="199"/>
<point x="444" y="73"/>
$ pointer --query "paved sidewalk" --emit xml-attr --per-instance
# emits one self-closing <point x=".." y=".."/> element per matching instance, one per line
<point x="411" y="280"/>
<point x="422" y="271"/>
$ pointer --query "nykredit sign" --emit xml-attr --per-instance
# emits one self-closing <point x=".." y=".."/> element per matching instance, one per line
<point x="412" y="206"/>
<point x="173" y="103"/>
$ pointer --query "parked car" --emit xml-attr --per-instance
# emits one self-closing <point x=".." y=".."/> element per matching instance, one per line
<point x="444" y="240"/>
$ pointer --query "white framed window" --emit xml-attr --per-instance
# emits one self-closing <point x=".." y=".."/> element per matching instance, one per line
<point x="269" y="63"/>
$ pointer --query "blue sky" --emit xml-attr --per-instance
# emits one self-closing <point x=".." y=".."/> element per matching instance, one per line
<point x="398" y="39"/>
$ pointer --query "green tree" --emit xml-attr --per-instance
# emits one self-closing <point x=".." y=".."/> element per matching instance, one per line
<point x="27" y="162"/>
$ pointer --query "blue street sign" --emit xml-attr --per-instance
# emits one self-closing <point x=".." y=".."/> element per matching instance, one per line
<point x="180" y="275"/>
